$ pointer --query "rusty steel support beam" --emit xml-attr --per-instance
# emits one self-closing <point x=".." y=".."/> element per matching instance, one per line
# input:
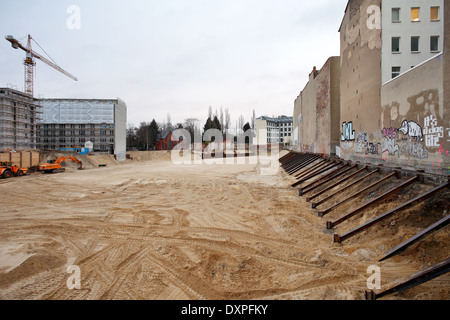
<point x="299" y="162"/>
<point x="324" y="212"/>
<point x="322" y="180"/>
<point x="384" y="196"/>
<point x="402" y="247"/>
<point x="318" y="171"/>
<point x="291" y="161"/>
<point x="340" y="181"/>
<point x="313" y="167"/>
<point x="391" y="212"/>
<point x="310" y="171"/>
<point x="286" y="157"/>
<point x="416" y="279"/>
<point x="300" y="165"/>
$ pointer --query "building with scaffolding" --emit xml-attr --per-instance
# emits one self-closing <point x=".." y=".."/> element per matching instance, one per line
<point x="19" y="115"/>
<point x="79" y="123"/>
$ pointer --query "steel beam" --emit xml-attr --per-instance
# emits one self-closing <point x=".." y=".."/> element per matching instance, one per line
<point x="342" y="180"/>
<point x="318" y="171"/>
<point x="392" y="212"/>
<point x="312" y="168"/>
<point x="322" y="180"/>
<point x="286" y="157"/>
<point x="300" y="165"/>
<point x="309" y="171"/>
<point x="384" y="196"/>
<point x="299" y="162"/>
<point x="416" y="279"/>
<point x="402" y="247"/>
<point x="291" y="161"/>
<point x="324" y="212"/>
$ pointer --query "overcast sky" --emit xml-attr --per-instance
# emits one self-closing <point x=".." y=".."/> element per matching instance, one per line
<point x="175" y="56"/>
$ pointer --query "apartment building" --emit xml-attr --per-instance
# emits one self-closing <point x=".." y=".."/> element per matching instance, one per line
<point x="412" y="32"/>
<point x="73" y="123"/>
<point x="279" y="129"/>
<point x="19" y="114"/>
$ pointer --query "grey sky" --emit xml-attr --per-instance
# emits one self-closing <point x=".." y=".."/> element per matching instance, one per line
<point x="175" y="56"/>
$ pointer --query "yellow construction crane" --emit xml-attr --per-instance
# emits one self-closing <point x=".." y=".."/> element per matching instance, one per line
<point x="30" y="63"/>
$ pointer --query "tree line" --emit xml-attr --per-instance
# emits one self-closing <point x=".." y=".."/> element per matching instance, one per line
<point x="144" y="137"/>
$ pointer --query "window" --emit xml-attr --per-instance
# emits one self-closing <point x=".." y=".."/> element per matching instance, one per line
<point x="395" y="72"/>
<point x="415" y="14"/>
<point x="395" y="44"/>
<point x="395" y="14"/>
<point x="415" y="44"/>
<point x="434" y="43"/>
<point x="434" y="15"/>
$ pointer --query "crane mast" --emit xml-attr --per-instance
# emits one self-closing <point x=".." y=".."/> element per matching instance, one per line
<point x="30" y="64"/>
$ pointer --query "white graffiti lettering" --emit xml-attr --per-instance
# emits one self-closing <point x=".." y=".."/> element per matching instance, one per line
<point x="412" y="129"/>
<point x="432" y="132"/>
<point x="348" y="132"/>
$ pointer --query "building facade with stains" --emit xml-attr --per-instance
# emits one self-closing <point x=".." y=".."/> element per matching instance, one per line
<point x="412" y="32"/>
<point x="317" y="111"/>
<point x="403" y="121"/>
<point x="360" y="82"/>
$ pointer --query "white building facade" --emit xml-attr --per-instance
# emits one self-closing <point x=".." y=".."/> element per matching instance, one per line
<point x="278" y="130"/>
<point x="73" y="123"/>
<point x="412" y="32"/>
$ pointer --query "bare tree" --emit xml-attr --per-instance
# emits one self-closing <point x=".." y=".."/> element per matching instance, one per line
<point x="227" y="119"/>
<point x="210" y="113"/>
<point x="221" y="119"/>
<point x="241" y="122"/>
<point x="169" y="122"/>
<point x="253" y="119"/>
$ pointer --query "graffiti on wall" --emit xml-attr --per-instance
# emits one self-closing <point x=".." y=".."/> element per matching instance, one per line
<point x="432" y="132"/>
<point x="361" y="142"/>
<point x="389" y="144"/>
<point x="363" y="146"/>
<point x="412" y="129"/>
<point x="348" y="132"/>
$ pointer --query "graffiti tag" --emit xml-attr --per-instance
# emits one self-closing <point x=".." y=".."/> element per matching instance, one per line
<point x="412" y="129"/>
<point x="348" y="132"/>
<point x="432" y="132"/>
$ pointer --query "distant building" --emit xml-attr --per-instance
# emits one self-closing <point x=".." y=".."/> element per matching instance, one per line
<point x="279" y="130"/>
<point x="317" y="111"/>
<point x="75" y="123"/>
<point x="164" y="140"/>
<point x="413" y="32"/>
<point x="19" y="114"/>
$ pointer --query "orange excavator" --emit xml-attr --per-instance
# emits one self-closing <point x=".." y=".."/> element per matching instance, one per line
<point x="7" y="170"/>
<point x="54" y="166"/>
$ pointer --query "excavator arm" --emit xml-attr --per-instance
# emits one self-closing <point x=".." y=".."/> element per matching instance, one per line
<point x="56" y="165"/>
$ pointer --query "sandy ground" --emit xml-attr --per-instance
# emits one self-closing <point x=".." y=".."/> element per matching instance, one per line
<point x="154" y="230"/>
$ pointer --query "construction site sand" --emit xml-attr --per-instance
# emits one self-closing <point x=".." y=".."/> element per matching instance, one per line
<point x="154" y="230"/>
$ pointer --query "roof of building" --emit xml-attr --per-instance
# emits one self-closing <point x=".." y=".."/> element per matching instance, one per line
<point x="278" y="119"/>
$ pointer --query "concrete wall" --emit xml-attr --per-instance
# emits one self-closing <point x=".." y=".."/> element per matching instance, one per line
<point x="24" y="159"/>
<point x="446" y="84"/>
<point x="317" y="110"/>
<point x="405" y="29"/>
<point x="413" y="119"/>
<point x="120" y="130"/>
<point x="360" y="80"/>
<point x="296" y="122"/>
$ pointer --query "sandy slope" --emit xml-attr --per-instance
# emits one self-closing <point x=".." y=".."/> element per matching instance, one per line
<point x="153" y="230"/>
